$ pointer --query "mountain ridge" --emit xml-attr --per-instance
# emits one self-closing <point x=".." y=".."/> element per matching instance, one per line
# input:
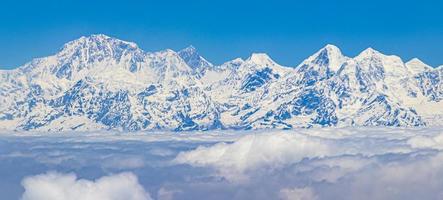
<point x="100" y="82"/>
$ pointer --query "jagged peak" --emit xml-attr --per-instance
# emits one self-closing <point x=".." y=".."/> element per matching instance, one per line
<point x="193" y="58"/>
<point x="97" y="40"/>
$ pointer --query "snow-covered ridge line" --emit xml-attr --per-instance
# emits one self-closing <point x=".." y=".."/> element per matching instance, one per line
<point x="82" y="41"/>
<point x="99" y="82"/>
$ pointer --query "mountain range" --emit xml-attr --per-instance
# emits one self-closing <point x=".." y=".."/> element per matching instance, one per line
<point x="103" y="83"/>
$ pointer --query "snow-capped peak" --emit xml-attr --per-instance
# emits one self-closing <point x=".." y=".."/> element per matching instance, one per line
<point x="99" y="41"/>
<point x="334" y="56"/>
<point x="172" y="60"/>
<point x="390" y="65"/>
<point x="332" y="48"/>
<point x="329" y="56"/>
<point x="369" y="52"/>
<point x="329" y="50"/>
<point x="261" y="59"/>
<point x="96" y="48"/>
<point x="193" y="58"/>
<point x="416" y="66"/>
<point x="88" y="52"/>
<point x="119" y="86"/>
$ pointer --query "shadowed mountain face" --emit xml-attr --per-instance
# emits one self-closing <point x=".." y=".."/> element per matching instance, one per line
<point x="99" y="82"/>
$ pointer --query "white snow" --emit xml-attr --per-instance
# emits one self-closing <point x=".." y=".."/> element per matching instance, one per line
<point x="185" y="84"/>
<point x="415" y="65"/>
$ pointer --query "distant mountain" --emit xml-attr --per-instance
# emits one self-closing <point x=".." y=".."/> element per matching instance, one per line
<point x="194" y="60"/>
<point x="99" y="82"/>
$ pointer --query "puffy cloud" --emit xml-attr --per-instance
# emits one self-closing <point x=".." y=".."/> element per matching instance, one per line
<point x="387" y="164"/>
<point x="252" y="152"/>
<point x="274" y="151"/>
<point x="56" y="186"/>
<point x="297" y="194"/>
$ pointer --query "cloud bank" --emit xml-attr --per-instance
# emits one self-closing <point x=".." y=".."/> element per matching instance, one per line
<point x="255" y="152"/>
<point x="277" y="150"/>
<point x="342" y="164"/>
<point x="330" y="166"/>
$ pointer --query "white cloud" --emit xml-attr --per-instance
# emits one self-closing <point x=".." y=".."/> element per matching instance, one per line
<point x="317" y="163"/>
<point x="256" y="151"/>
<point x="274" y="151"/>
<point x="56" y="186"/>
<point x="297" y="194"/>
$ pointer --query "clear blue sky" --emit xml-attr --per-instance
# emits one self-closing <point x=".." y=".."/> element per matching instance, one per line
<point x="288" y="31"/>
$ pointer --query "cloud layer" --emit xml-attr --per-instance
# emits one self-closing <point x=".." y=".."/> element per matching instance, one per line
<point x="347" y="163"/>
<point x="329" y="165"/>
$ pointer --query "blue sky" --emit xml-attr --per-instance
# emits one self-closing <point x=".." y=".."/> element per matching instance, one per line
<point x="288" y="31"/>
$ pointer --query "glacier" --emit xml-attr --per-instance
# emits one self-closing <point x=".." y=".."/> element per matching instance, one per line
<point x="103" y="83"/>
